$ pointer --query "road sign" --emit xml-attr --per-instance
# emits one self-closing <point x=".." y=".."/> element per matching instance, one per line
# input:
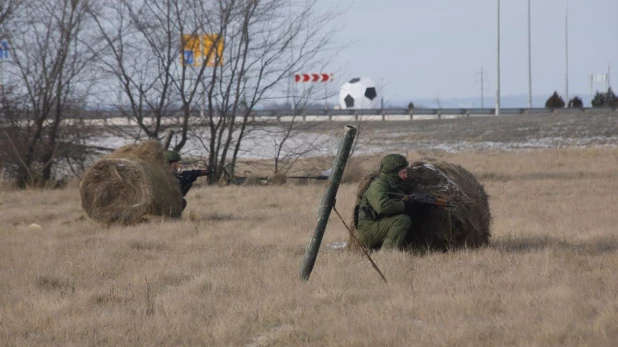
<point x="188" y="58"/>
<point x="191" y="49"/>
<point x="313" y="77"/>
<point x="197" y="48"/>
<point x="214" y="55"/>
<point x="4" y="49"/>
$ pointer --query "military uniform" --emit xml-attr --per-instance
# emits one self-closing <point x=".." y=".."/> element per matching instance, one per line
<point x="185" y="185"/>
<point x="381" y="218"/>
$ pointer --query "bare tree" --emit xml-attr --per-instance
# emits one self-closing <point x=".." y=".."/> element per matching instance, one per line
<point x="247" y="50"/>
<point x="7" y="8"/>
<point x="267" y="44"/>
<point x="48" y="84"/>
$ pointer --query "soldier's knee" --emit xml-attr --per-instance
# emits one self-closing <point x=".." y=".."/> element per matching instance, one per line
<point x="404" y="221"/>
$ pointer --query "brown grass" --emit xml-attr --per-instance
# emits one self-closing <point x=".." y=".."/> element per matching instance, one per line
<point x="228" y="273"/>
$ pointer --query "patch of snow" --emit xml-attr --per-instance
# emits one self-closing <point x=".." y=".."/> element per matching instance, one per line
<point x="337" y="245"/>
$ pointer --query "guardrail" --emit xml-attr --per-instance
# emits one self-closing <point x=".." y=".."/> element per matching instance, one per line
<point x="330" y="113"/>
<point x="424" y="111"/>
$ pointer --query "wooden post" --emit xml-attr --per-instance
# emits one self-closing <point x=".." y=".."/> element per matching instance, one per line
<point x="168" y="138"/>
<point x="328" y="201"/>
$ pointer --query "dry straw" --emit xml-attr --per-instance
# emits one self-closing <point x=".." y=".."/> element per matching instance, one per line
<point x="437" y="228"/>
<point x="127" y="185"/>
<point x="278" y="179"/>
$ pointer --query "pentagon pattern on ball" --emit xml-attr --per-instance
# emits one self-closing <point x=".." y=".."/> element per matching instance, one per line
<point x="371" y="93"/>
<point x="359" y="93"/>
<point x="349" y="101"/>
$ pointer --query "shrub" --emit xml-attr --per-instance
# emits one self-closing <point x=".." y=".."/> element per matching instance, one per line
<point x="607" y="99"/>
<point x="554" y="101"/>
<point x="598" y="100"/>
<point x="576" y="102"/>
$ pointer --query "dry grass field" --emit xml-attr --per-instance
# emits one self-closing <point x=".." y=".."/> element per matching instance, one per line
<point x="227" y="274"/>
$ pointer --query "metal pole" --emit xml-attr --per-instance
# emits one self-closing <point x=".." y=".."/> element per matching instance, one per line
<point x="498" y="65"/>
<point x="529" y="59"/>
<point x="566" y="48"/>
<point x="482" y="89"/>
<point x="591" y="92"/>
<point x="608" y="74"/>
<point x="328" y="201"/>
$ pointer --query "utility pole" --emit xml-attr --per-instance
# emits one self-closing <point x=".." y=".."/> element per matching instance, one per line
<point x="481" y="75"/>
<point x="529" y="60"/>
<point x="482" y="89"/>
<point x="566" y="48"/>
<point x="290" y="84"/>
<point x="608" y="74"/>
<point x="498" y="65"/>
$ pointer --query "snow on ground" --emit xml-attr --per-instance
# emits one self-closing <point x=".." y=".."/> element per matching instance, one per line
<point x="259" y="143"/>
<point x="521" y="132"/>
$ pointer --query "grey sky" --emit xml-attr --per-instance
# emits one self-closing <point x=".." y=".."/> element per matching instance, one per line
<point x="422" y="49"/>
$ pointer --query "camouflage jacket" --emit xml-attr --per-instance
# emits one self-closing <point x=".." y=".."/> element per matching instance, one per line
<point x="377" y="201"/>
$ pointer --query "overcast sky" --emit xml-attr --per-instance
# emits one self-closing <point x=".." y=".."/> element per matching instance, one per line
<point x="430" y="48"/>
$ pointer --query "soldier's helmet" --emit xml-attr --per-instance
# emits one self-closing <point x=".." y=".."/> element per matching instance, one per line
<point x="171" y="156"/>
<point x="393" y="163"/>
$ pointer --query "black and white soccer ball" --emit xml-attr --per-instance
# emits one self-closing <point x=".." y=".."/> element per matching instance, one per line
<point x="359" y="93"/>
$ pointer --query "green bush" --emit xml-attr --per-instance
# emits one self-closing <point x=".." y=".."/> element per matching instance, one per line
<point x="576" y="102"/>
<point x="608" y="99"/>
<point x="555" y="101"/>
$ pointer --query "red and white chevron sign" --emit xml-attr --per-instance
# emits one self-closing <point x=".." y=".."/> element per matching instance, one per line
<point x="313" y="77"/>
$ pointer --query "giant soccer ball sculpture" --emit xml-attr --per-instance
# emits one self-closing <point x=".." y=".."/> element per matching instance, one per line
<point x="358" y="93"/>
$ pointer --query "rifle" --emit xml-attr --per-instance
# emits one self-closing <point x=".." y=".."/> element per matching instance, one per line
<point x="319" y="178"/>
<point x="427" y="199"/>
<point x="189" y="176"/>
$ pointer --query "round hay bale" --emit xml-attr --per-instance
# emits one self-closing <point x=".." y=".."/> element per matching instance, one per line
<point x="130" y="183"/>
<point x="437" y="228"/>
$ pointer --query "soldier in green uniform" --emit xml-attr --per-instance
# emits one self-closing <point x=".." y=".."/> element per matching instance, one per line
<point x="173" y="159"/>
<point x="381" y="218"/>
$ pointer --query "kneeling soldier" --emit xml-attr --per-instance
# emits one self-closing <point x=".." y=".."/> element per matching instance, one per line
<point x="381" y="218"/>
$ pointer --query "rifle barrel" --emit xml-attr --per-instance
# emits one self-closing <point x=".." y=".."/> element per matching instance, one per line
<point x="310" y="177"/>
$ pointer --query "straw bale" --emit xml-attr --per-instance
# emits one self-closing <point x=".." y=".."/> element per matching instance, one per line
<point x="127" y="185"/>
<point x="436" y="228"/>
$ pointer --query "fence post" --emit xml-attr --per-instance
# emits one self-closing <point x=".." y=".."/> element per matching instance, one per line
<point x="168" y="138"/>
<point x="328" y="201"/>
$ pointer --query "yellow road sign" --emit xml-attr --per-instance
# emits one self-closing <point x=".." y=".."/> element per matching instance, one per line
<point x="213" y="49"/>
<point x="200" y="49"/>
